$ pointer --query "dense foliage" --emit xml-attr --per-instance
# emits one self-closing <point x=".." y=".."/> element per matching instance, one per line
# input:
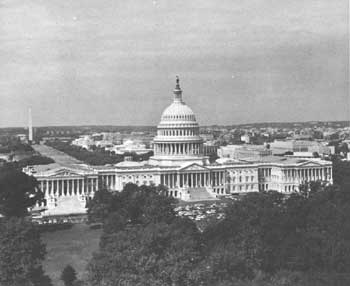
<point x="144" y="242"/>
<point x="18" y="191"/>
<point x="21" y="250"/>
<point x="98" y="156"/>
<point x="10" y="144"/>
<point x="21" y="254"/>
<point x="264" y="239"/>
<point x="35" y="160"/>
<point x="341" y="173"/>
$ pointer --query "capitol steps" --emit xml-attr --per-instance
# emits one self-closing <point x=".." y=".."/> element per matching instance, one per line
<point x="200" y="194"/>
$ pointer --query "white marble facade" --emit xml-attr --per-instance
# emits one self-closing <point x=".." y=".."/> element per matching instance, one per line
<point x="180" y="165"/>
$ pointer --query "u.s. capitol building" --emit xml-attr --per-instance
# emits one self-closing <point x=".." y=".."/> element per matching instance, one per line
<point x="180" y="165"/>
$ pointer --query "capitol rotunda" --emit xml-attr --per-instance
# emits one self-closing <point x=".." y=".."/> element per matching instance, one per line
<point x="178" y="141"/>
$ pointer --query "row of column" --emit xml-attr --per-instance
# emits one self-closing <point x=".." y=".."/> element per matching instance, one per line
<point x="193" y="180"/>
<point x="265" y="172"/>
<point x="178" y="148"/>
<point x="177" y="132"/>
<point x="68" y="187"/>
<point x="109" y="181"/>
<point x="309" y="174"/>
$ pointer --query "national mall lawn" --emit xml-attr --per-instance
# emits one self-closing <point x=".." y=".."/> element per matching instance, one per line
<point x="74" y="246"/>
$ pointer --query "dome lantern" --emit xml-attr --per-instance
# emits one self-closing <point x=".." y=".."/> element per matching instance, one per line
<point x="177" y="91"/>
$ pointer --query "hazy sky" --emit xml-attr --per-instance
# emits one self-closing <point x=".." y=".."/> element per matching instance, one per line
<point x="114" y="62"/>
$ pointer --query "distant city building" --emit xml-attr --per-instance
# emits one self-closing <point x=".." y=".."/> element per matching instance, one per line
<point x="85" y="142"/>
<point x="243" y="151"/>
<point x="129" y="146"/>
<point x="283" y="146"/>
<point x="245" y="138"/>
<point x="180" y="164"/>
<point x="207" y="137"/>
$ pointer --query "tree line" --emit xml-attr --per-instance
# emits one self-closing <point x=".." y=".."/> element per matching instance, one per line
<point x="98" y="156"/>
<point x="264" y="239"/>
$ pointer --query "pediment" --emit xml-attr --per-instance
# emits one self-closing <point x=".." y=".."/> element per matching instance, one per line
<point x="194" y="167"/>
<point x="64" y="173"/>
<point x="310" y="164"/>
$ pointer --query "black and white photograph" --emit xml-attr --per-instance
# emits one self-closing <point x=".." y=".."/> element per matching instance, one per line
<point x="174" y="143"/>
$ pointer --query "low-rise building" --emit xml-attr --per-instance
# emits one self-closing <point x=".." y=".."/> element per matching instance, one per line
<point x="243" y="151"/>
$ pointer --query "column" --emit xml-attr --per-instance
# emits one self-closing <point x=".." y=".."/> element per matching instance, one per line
<point x="78" y="187"/>
<point x="73" y="187"/>
<point x="57" y="188"/>
<point x="53" y="188"/>
<point x="69" y="183"/>
<point x="46" y="187"/>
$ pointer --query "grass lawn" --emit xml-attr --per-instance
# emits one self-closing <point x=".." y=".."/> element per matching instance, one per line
<point x="72" y="246"/>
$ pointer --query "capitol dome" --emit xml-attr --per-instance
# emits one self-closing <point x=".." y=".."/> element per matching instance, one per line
<point x="178" y="141"/>
<point x="178" y="111"/>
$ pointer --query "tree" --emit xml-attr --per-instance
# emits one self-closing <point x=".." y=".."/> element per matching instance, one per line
<point x="144" y="242"/>
<point x="99" y="206"/>
<point x="68" y="275"/>
<point x="153" y="254"/>
<point x="18" y="192"/>
<point x="21" y="254"/>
